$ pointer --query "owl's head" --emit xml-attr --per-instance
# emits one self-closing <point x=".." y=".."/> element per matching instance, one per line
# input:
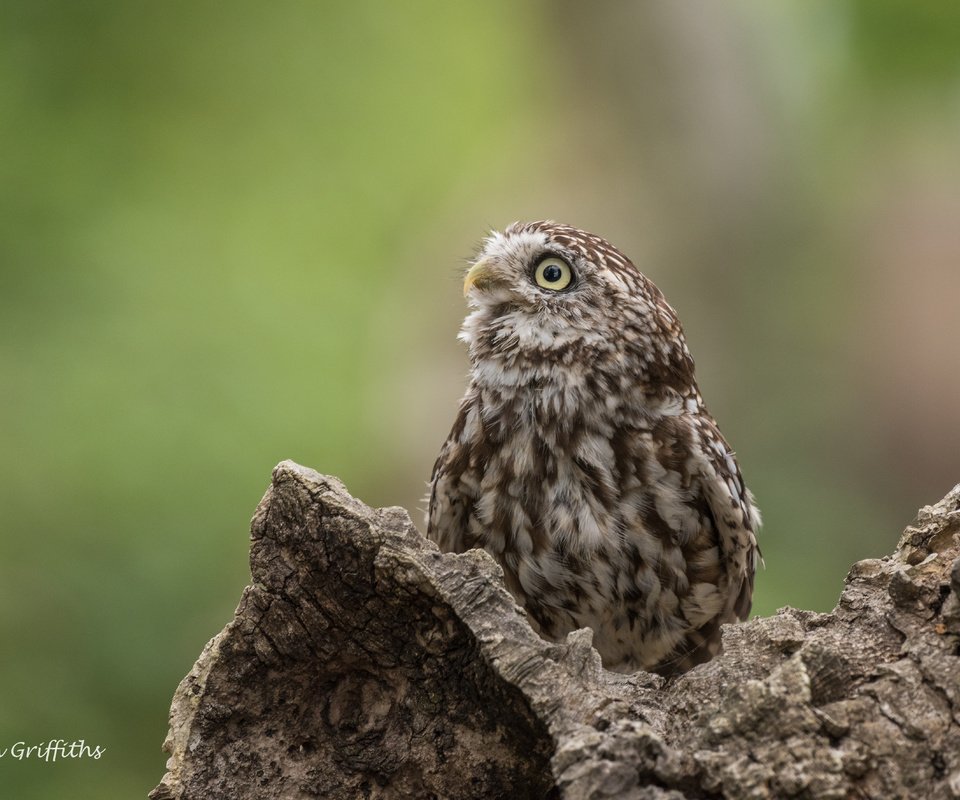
<point x="541" y="290"/>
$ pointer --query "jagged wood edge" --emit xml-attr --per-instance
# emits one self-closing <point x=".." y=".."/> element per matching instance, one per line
<point x="794" y="704"/>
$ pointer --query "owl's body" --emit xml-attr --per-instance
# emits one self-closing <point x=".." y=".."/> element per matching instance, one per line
<point x="584" y="460"/>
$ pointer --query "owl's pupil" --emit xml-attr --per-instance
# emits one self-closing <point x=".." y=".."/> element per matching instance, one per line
<point x="552" y="273"/>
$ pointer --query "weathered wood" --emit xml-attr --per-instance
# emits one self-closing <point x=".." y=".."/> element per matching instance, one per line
<point x="361" y="662"/>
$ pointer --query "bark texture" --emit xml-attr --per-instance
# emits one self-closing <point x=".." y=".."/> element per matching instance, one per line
<point x="363" y="663"/>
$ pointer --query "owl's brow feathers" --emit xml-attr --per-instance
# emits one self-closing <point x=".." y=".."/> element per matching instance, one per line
<point x="599" y="251"/>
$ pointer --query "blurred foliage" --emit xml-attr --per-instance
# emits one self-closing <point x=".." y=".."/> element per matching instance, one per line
<point x="900" y="45"/>
<point x="230" y="235"/>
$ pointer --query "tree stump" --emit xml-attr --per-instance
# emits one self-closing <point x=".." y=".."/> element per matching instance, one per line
<point x="363" y="663"/>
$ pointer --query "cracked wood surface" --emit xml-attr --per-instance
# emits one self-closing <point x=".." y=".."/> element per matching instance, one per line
<point x="363" y="663"/>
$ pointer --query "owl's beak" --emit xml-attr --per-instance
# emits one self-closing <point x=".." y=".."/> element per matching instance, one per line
<point x="480" y="275"/>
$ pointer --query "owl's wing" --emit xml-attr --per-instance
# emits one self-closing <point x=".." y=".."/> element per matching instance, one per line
<point x="705" y="521"/>
<point x="735" y="517"/>
<point x="450" y="501"/>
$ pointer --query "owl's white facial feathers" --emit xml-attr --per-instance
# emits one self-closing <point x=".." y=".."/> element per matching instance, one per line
<point x="513" y="313"/>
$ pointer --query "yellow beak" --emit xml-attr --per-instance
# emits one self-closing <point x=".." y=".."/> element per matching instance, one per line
<point x="479" y="275"/>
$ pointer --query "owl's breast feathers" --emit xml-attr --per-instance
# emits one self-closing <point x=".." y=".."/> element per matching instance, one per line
<point x="606" y="507"/>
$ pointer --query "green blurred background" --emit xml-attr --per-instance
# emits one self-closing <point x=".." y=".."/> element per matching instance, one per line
<point x="234" y="233"/>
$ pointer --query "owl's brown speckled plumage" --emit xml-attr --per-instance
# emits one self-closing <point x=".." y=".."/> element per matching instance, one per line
<point x="584" y="460"/>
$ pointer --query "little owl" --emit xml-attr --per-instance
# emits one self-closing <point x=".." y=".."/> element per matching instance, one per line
<point x="584" y="460"/>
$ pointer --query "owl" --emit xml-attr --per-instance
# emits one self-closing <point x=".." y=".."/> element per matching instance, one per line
<point x="584" y="460"/>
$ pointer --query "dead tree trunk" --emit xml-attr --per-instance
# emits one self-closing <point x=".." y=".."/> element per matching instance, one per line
<point x="361" y="662"/>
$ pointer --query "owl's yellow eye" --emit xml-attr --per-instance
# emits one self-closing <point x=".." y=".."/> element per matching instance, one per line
<point x="553" y="273"/>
